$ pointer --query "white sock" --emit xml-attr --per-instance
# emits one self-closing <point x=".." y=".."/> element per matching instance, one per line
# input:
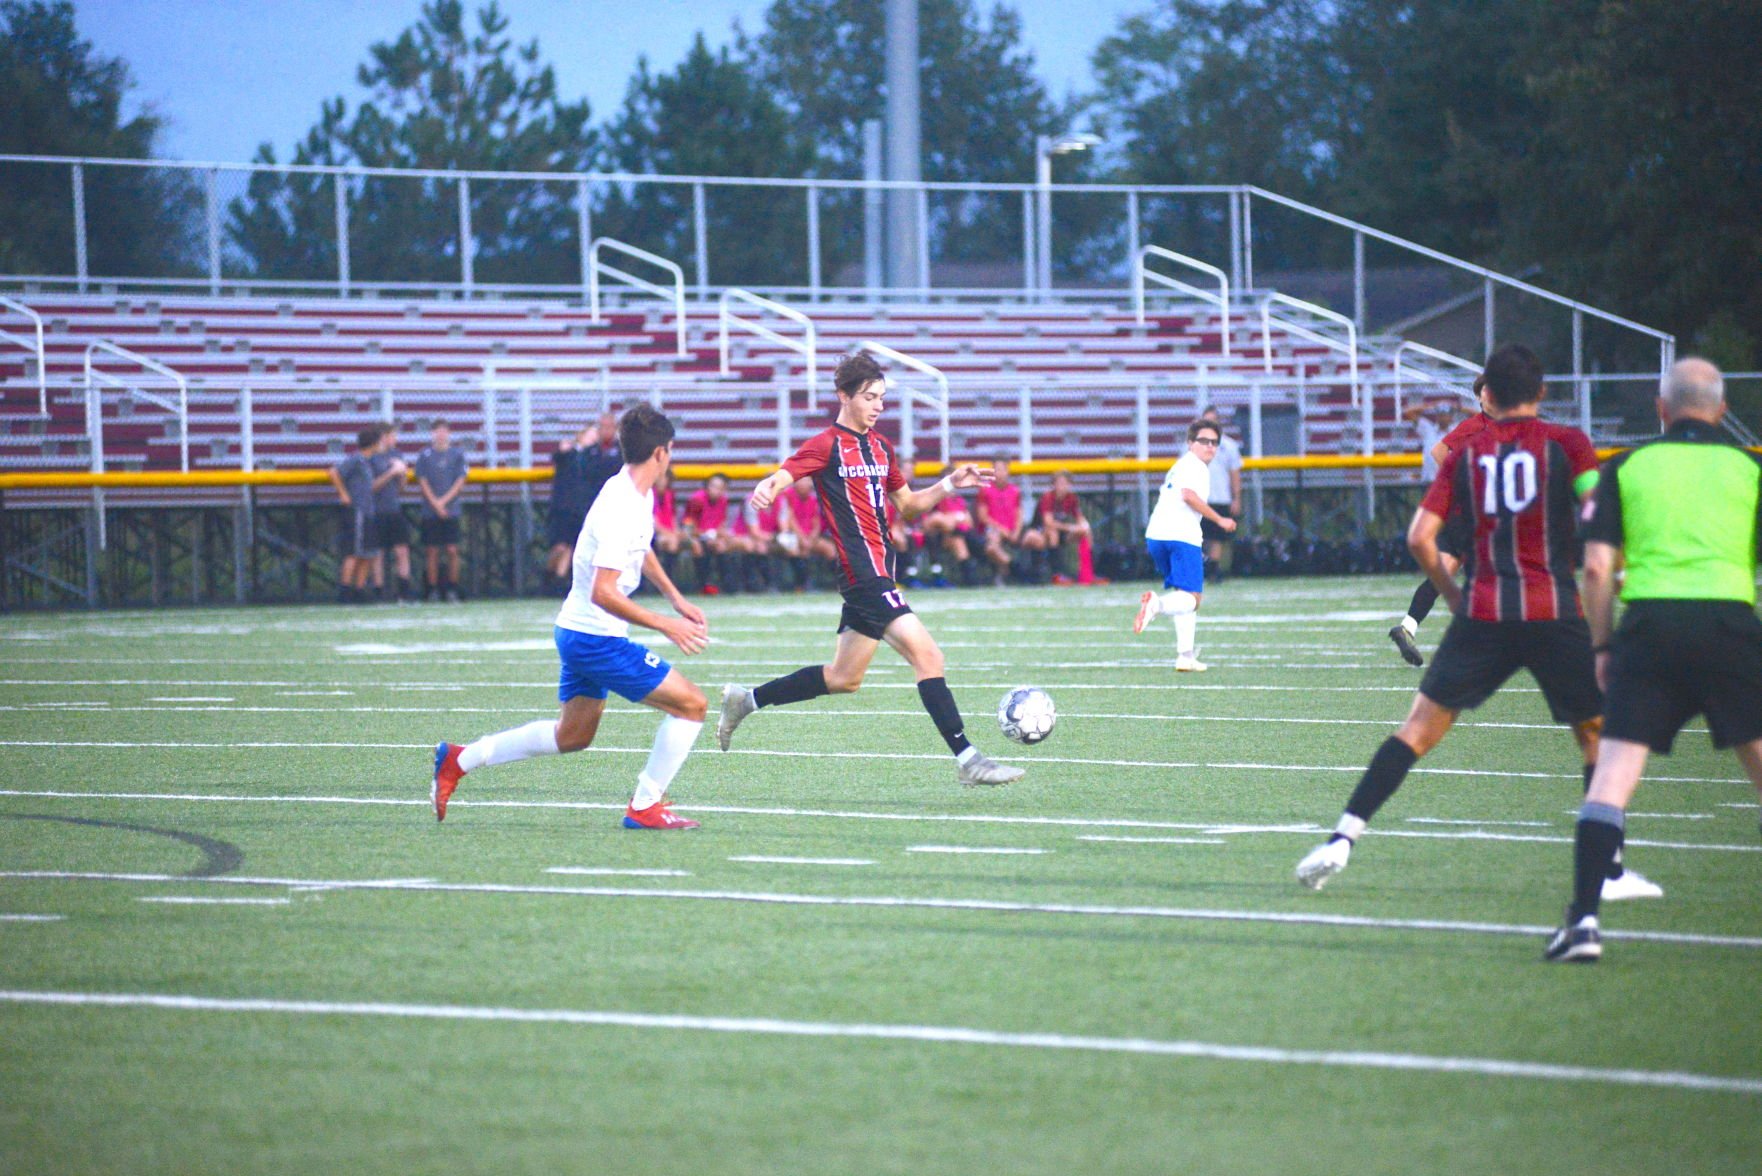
<point x="1182" y="607"/>
<point x="673" y="742"/>
<point x="1350" y="827"/>
<point x="1411" y="625"/>
<point x="969" y="754"/>
<point x="504" y="747"/>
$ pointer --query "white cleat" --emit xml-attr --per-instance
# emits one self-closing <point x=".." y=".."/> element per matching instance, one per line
<point x="1149" y="607"/>
<point x="737" y="703"/>
<point x="1188" y="664"/>
<point x="1323" y="862"/>
<point x="1630" y="884"/>
<point x="982" y="769"/>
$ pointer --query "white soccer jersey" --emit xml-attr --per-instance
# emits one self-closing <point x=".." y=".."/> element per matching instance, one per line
<point x="616" y="535"/>
<point x="1172" y="518"/>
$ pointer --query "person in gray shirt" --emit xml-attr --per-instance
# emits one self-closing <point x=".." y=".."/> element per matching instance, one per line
<point x="389" y="473"/>
<point x="440" y="476"/>
<point x="353" y="479"/>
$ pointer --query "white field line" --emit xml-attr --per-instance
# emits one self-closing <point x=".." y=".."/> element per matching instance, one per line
<point x="803" y="713"/>
<point x="1155" y="840"/>
<point x="979" y="905"/>
<point x="193" y="698"/>
<point x="1214" y="828"/>
<point x="597" y="871"/>
<point x="1454" y="821"/>
<point x="31" y="918"/>
<point x="551" y="685"/>
<point x="1671" y="816"/>
<point x="1030" y="760"/>
<point x="802" y="861"/>
<point x="999" y="849"/>
<point x="196" y="901"/>
<point x="921" y="1034"/>
<point x="1738" y="804"/>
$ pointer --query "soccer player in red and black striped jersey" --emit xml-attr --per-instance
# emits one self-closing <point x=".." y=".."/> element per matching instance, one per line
<point x="856" y="474"/>
<point x="1515" y="487"/>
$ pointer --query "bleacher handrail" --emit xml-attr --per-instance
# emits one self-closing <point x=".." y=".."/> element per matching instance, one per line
<point x="596" y="267"/>
<point x="807" y="347"/>
<point x="1142" y="273"/>
<point x="18" y="307"/>
<point x="907" y="434"/>
<point x="1408" y="346"/>
<point x="1267" y="319"/>
<point x="96" y="379"/>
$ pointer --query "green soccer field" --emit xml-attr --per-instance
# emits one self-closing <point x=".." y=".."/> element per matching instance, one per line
<point x="234" y="939"/>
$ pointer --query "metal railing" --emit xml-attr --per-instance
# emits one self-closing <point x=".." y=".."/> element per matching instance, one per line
<point x="36" y="350"/>
<point x="907" y="421"/>
<point x="1141" y="273"/>
<point x="97" y="380"/>
<point x="1409" y="347"/>
<point x="596" y="267"/>
<point x="807" y="347"/>
<point x="1267" y="319"/>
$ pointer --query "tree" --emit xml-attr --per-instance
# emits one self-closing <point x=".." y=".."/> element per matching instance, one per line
<point x="982" y="106"/>
<point x="442" y="96"/>
<point x="61" y="98"/>
<point x="709" y="116"/>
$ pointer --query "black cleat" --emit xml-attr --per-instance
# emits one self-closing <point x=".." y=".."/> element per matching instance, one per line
<point x="1575" y="943"/>
<point x="1404" y="642"/>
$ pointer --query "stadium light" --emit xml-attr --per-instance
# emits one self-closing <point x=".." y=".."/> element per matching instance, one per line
<point x="1045" y="147"/>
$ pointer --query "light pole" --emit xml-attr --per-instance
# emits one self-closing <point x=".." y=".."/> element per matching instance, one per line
<point x="1045" y="147"/>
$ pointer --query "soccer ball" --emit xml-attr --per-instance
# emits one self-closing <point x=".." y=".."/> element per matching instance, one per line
<point x="1026" y="715"/>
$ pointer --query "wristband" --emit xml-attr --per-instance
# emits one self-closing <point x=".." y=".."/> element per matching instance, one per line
<point x="947" y="484"/>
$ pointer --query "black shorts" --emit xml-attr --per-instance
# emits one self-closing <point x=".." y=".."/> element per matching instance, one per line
<point x="439" y="532"/>
<point x="871" y="606"/>
<point x="360" y="536"/>
<point x="1209" y="530"/>
<point x="392" y="528"/>
<point x="1674" y="659"/>
<point x="564" y="526"/>
<point x="1456" y="536"/>
<point x="1476" y="657"/>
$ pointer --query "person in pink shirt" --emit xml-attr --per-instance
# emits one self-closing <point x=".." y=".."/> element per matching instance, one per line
<point x="709" y="528"/>
<point x="801" y="532"/>
<point x="948" y="526"/>
<point x="1000" y="516"/>
<point x="757" y="530"/>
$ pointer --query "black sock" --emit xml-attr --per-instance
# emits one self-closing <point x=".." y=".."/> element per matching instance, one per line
<point x="1601" y="828"/>
<point x="1388" y="767"/>
<point x="807" y="682"/>
<point x="1590" y="770"/>
<point x="1424" y="597"/>
<point x="939" y="701"/>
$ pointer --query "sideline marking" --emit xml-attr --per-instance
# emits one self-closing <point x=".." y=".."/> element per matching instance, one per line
<point x="970" y="849"/>
<point x="31" y="918"/>
<point x="1209" y="827"/>
<point x="936" y="1034"/>
<point x="1182" y="765"/>
<point x="596" y="871"/>
<point x="801" y="861"/>
<point x="989" y="906"/>
<point x="1156" y="840"/>
<point x="1456" y="821"/>
<point x="193" y="900"/>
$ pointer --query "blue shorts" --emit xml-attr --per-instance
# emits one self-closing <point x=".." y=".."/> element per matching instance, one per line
<point x="1182" y="564"/>
<point x="592" y="665"/>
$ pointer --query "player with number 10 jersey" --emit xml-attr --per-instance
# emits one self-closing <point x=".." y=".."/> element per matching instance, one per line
<point x="1514" y="487"/>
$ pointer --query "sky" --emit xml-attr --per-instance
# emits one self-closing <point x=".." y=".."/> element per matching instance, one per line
<point x="230" y="74"/>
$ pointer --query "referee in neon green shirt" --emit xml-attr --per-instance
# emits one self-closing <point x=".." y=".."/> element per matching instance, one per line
<point x="1686" y="511"/>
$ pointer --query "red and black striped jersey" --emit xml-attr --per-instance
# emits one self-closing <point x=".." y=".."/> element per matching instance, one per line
<point x="854" y="473"/>
<point x="1514" y="482"/>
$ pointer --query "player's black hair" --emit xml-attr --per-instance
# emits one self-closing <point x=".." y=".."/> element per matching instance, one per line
<point x="643" y="430"/>
<point x="1513" y="376"/>
<point x="854" y="371"/>
<point x="387" y="428"/>
<point x="714" y="476"/>
<point x="438" y="424"/>
<point x="367" y="438"/>
<point x="1198" y="426"/>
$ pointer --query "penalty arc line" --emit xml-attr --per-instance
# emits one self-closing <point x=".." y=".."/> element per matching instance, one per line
<point x="979" y="905"/>
<point x="930" y="1034"/>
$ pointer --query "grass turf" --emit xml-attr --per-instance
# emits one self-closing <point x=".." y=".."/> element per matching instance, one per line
<point x="254" y="728"/>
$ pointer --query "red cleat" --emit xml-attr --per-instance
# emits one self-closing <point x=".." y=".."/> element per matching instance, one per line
<point x="447" y="773"/>
<point x="655" y="816"/>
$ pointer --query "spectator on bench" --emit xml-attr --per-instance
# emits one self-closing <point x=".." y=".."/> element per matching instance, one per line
<point x="710" y="528"/>
<point x="999" y="514"/>
<point x="801" y="534"/>
<point x="946" y="528"/>
<point x="1063" y="530"/>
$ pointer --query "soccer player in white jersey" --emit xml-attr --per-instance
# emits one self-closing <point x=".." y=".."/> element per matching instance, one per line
<point x="1176" y="542"/>
<point x="592" y="633"/>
